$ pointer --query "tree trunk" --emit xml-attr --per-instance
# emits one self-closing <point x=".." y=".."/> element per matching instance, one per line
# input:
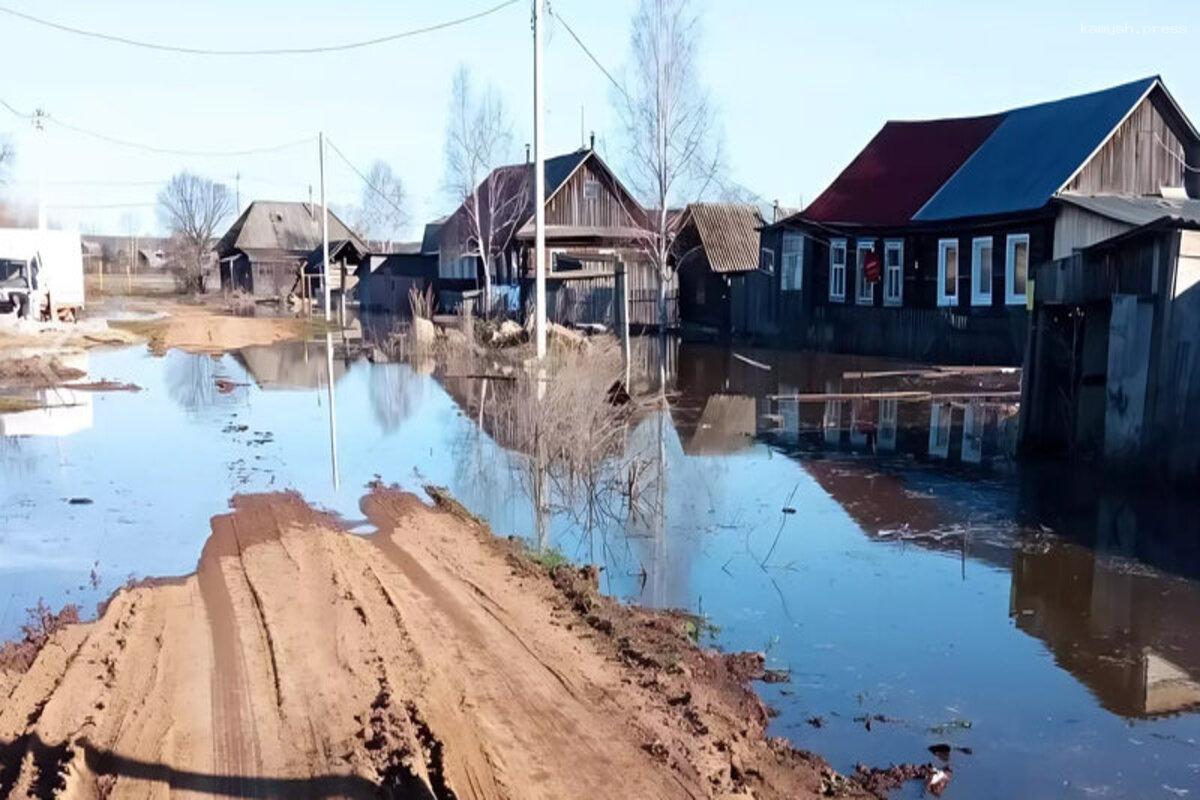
<point x="662" y="301"/>
<point x="487" y="289"/>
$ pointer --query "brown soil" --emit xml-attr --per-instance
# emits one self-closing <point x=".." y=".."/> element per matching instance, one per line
<point x="430" y="660"/>
<point x="203" y="329"/>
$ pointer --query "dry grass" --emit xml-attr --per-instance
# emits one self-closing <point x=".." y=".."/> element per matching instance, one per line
<point x="15" y="405"/>
<point x="40" y="625"/>
<point x="573" y="439"/>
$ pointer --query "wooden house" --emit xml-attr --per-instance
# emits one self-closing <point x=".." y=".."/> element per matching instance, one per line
<point x="923" y="247"/>
<point x="592" y="224"/>
<point x="715" y="247"/>
<point x="266" y="248"/>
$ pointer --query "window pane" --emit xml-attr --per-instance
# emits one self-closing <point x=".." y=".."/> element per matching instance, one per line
<point x="951" y="284"/>
<point x="1020" y="266"/>
<point x="985" y="269"/>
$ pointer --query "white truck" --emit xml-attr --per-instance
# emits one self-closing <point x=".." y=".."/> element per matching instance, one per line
<point x="41" y="273"/>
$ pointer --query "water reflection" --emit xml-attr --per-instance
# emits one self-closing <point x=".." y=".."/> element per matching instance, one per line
<point x="1054" y="614"/>
<point x="59" y="411"/>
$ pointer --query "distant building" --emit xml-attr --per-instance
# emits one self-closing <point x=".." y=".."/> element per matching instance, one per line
<point x="923" y="247"/>
<point x="715" y="249"/>
<point x="592" y="221"/>
<point x="111" y="253"/>
<point x="265" y="249"/>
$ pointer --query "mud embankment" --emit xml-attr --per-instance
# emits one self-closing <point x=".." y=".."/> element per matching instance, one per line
<point x="206" y="330"/>
<point x="429" y="660"/>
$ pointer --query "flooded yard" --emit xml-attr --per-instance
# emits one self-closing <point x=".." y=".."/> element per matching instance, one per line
<point x="919" y="587"/>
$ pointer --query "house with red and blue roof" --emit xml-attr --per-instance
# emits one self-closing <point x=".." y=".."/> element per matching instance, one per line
<point x="925" y="245"/>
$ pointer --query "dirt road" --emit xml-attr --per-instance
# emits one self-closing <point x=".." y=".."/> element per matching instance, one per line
<point x="429" y="660"/>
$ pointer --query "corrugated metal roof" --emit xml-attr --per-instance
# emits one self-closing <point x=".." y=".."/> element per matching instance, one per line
<point x="729" y="233"/>
<point x="1135" y="210"/>
<point x="899" y="170"/>
<point x="1032" y="153"/>
<point x="292" y="226"/>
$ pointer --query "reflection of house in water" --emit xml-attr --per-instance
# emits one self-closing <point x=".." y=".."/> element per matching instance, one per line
<point x="289" y="365"/>
<point x="62" y="411"/>
<point x="1124" y="631"/>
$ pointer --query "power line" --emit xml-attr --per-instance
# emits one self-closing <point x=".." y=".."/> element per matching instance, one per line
<point x="150" y="148"/>
<point x="1187" y="167"/>
<point x="588" y="52"/>
<point x="98" y="206"/>
<point x="280" y="51"/>
<point x="364" y="179"/>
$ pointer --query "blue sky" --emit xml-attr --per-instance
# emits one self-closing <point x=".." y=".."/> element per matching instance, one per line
<point x="800" y="86"/>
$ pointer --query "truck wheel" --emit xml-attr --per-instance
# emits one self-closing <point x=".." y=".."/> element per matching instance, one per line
<point x="22" y="307"/>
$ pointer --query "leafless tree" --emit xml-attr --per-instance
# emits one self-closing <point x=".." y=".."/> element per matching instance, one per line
<point x="494" y="198"/>
<point x="672" y="141"/>
<point x="382" y="215"/>
<point x="7" y="154"/>
<point x="193" y="208"/>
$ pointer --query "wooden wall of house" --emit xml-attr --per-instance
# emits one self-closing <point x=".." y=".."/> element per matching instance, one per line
<point x="270" y="274"/>
<point x="1143" y="155"/>
<point x="1076" y="228"/>
<point x="570" y="206"/>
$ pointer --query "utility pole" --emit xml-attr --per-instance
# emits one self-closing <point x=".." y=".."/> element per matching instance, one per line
<point x="539" y="185"/>
<point x="237" y="190"/>
<point x="39" y="125"/>
<point x="324" y="229"/>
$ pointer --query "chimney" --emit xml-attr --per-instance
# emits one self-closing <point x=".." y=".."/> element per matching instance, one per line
<point x="527" y="159"/>
<point x="592" y="145"/>
<point x="310" y="205"/>
<point x="775" y="211"/>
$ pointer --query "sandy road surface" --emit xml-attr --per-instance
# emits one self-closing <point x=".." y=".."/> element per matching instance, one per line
<point x="426" y="661"/>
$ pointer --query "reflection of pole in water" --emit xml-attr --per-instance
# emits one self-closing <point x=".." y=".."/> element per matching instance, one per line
<point x="539" y="487"/>
<point x="658" y="589"/>
<point x="333" y="457"/>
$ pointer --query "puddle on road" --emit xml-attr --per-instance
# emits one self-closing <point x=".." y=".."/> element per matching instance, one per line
<point x="1051" y="628"/>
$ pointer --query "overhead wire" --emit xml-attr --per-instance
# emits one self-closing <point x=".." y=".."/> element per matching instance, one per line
<point x="151" y="148"/>
<point x="270" y="51"/>
<point x="364" y="178"/>
<point x="587" y="51"/>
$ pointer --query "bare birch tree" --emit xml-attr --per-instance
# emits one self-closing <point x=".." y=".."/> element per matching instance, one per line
<point x="494" y="198"/>
<point x="672" y="141"/>
<point x="383" y="212"/>
<point x="7" y="154"/>
<point x="192" y="208"/>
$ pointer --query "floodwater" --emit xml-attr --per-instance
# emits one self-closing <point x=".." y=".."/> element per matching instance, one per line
<point x="919" y="586"/>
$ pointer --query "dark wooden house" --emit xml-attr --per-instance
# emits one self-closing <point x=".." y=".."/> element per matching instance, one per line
<point x="924" y="246"/>
<point x="266" y="248"/>
<point x="386" y="280"/>
<point x="715" y="247"/>
<point x="593" y="224"/>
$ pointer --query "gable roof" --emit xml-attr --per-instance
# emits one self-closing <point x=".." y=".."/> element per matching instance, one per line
<point x="292" y="226"/>
<point x="1033" y="152"/>
<point x="899" y="170"/>
<point x="729" y="234"/>
<point x="1005" y="163"/>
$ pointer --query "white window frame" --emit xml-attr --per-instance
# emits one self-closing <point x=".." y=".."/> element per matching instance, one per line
<point x="1010" y="264"/>
<point x="943" y="298"/>
<point x="766" y="260"/>
<point x="793" y="262"/>
<point x="895" y="299"/>
<point x="867" y="298"/>
<point x="981" y="291"/>
<point x="837" y="289"/>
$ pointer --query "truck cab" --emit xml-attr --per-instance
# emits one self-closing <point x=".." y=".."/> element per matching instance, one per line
<point x="41" y="274"/>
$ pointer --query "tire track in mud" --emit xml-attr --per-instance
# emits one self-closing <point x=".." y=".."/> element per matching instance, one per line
<point x="424" y="661"/>
<point x="234" y="744"/>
